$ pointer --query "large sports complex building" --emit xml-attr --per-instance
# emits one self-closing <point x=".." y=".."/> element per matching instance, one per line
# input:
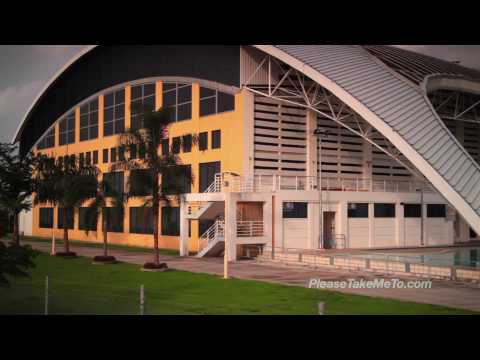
<point x="300" y="146"/>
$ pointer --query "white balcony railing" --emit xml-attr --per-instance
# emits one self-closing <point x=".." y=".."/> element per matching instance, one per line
<point x="228" y="182"/>
<point x="249" y="228"/>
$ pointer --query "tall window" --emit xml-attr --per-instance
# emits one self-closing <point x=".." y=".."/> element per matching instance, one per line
<point x="48" y="141"/>
<point x="216" y="139"/>
<point x="87" y="218"/>
<point x="114" y="113"/>
<point x="143" y="99"/>
<point x="141" y="220"/>
<point x="67" y="129"/>
<point x="187" y="143"/>
<point x="212" y="101"/>
<point x="181" y="179"/>
<point x="89" y="121"/>
<point x="203" y="141"/>
<point x="95" y="157"/>
<point x="69" y="218"/>
<point x="114" y="218"/>
<point x="141" y="182"/>
<point x="113" y="182"/>
<point x="178" y="98"/>
<point x="105" y="156"/>
<point x="46" y="218"/>
<point x="171" y="221"/>
<point x="207" y="173"/>
<point x="165" y="146"/>
<point x="176" y="145"/>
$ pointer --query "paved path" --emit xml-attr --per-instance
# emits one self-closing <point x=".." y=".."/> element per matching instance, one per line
<point x="447" y="293"/>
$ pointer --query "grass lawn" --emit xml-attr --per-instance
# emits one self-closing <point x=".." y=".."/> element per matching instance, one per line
<point x="59" y="245"/>
<point x="78" y="287"/>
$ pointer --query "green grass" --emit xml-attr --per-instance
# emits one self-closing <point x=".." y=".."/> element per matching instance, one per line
<point x="59" y="244"/>
<point x="78" y="287"/>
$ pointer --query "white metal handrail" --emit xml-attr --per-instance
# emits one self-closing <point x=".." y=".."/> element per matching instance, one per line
<point x="249" y="228"/>
<point x="211" y="234"/>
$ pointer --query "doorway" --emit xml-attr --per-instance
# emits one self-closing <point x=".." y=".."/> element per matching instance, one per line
<point x="329" y="230"/>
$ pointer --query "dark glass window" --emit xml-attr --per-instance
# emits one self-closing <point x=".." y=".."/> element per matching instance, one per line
<point x="436" y="210"/>
<point x="81" y="159"/>
<point x="176" y="145"/>
<point x="141" y="182"/>
<point x="384" y="210"/>
<point x="177" y="98"/>
<point x="89" y="121"/>
<point x="212" y="101"/>
<point x="170" y="221"/>
<point x="207" y="173"/>
<point x="114" y="113"/>
<point x="121" y="153"/>
<point x="69" y="218"/>
<point x="105" y="156"/>
<point x="48" y="141"/>
<point x="180" y="177"/>
<point x="87" y="218"/>
<point x="67" y="129"/>
<point x="203" y="141"/>
<point x="113" y="154"/>
<point x="141" y="151"/>
<point x="187" y="143"/>
<point x="412" y="210"/>
<point x="133" y="151"/>
<point x="113" y="182"/>
<point x="216" y="139"/>
<point x="141" y="220"/>
<point x="88" y="158"/>
<point x="46" y="218"/>
<point x="295" y="210"/>
<point x="143" y="100"/>
<point x="204" y="225"/>
<point x="357" y="210"/>
<point x="472" y="234"/>
<point x="165" y="146"/>
<point x="114" y="218"/>
<point x="95" y="157"/>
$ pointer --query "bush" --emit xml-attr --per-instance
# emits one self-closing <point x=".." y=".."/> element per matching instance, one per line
<point x="3" y="224"/>
<point x="14" y="261"/>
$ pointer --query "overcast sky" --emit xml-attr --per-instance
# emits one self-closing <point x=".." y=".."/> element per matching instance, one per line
<point x="24" y="71"/>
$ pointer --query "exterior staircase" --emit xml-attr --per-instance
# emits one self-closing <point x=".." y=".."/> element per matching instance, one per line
<point x="212" y="241"/>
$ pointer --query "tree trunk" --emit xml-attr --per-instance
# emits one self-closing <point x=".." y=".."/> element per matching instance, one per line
<point x="155" y="233"/>
<point x="16" y="229"/>
<point x="105" y="233"/>
<point x="66" y="245"/>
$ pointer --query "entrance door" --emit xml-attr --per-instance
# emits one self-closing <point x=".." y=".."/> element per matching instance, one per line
<point x="329" y="229"/>
<point x="207" y="174"/>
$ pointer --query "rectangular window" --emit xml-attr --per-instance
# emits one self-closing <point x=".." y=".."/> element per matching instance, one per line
<point x="88" y="158"/>
<point x="212" y="101"/>
<point x="133" y="151"/>
<point x="178" y="180"/>
<point x="69" y="218"/>
<point x="436" y="210"/>
<point x="114" y="218"/>
<point x="95" y="157"/>
<point x="81" y="159"/>
<point x="113" y="183"/>
<point x="176" y="145"/>
<point x="141" y="182"/>
<point x="216" y="139"/>
<point x="121" y="153"/>
<point x="113" y="155"/>
<point x="46" y="218"/>
<point x="357" y="210"/>
<point x="203" y="141"/>
<point x="89" y="121"/>
<point x="67" y="129"/>
<point x="412" y="210"/>
<point x="114" y="113"/>
<point x="207" y="173"/>
<point x="87" y="218"/>
<point x="48" y="141"/>
<point x="141" y="151"/>
<point x="105" y="156"/>
<point x="170" y="221"/>
<point x="165" y="146"/>
<point x="384" y="210"/>
<point x="295" y="210"/>
<point x="141" y="220"/>
<point x="177" y="98"/>
<point x="142" y="101"/>
<point x="187" y="143"/>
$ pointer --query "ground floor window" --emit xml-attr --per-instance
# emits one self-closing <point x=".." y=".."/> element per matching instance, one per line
<point x="357" y="210"/>
<point x="46" y="218"/>
<point x="69" y="218"/>
<point x="141" y="220"/>
<point x="295" y="210"/>
<point x="436" y="210"/>
<point x="412" y="210"/>
<point x="87" y="218"/>
<point x="171" y="221"/>
<point x="114" y="218"/>
<point x="384" y="210"/>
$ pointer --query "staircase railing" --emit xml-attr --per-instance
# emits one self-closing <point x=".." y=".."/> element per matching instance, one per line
<point x="211" y="234"/>
<point x="249" y="228"/>
<point x="216" y="185"/>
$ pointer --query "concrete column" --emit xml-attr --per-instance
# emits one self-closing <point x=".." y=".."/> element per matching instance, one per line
<point x="230" y="226"/>
<point x="183" y="228"/>
<point x="367" y="159"/>
<point x="424" y="219"/>
<point x="267" y="218"/>
<point x="313" y="225"/>
<point x="342" y="221"/>
<point x="312" y="154"/>
<point x="371" y="225"/>
<point x="248" y="133"/>
<point x="279" y="241"/>
<point x="399" y="228"/>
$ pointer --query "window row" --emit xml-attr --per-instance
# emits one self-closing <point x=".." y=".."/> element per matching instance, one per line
<point x="141" y="219"/>
<point x="360" y="210"/>
<point x="177" y="97"/>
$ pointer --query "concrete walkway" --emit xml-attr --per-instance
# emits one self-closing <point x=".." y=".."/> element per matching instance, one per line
<point x="446" y="293"/>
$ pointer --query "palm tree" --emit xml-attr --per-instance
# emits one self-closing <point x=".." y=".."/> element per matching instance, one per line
<point x="67" y="183"/>
<point x="16" y="184"/>
<point x="165" y="167"/>
<point x="105" y="192"/>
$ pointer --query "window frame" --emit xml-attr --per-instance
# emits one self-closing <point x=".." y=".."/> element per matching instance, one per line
<point x="68" y="132"/>
<point x="91" y="114"/>
<point x="116" y="120"/>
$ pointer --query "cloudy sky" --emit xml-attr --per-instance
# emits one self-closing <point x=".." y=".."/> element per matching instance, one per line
<point x="24" y="71"/>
